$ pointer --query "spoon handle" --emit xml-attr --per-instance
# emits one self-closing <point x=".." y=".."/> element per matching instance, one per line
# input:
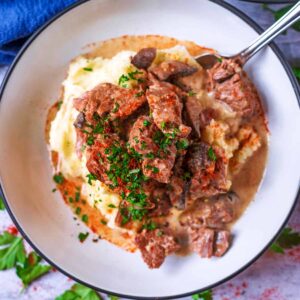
<point x="282" y="24"/>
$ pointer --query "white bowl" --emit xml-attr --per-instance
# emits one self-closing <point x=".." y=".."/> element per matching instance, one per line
<point x="33" y="84"/>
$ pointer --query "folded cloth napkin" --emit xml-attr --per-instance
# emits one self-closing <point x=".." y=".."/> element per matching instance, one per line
<point x="20" y="18"/>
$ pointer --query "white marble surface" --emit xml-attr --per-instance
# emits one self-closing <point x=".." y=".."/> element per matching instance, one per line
<point x="273" y="276"/>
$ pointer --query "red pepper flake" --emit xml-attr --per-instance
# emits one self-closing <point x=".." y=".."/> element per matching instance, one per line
<point x="12" y="230"/>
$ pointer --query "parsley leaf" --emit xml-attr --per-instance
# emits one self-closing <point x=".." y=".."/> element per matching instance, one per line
<point x="191" y="93"/>
<point x="146" y="123"/>
<point x="182" y="144"/>
<point x="150" y="225"/>
<point x="32" y="269"/>
<point x="2" y="206"/>
<point x="206" y="295"/>
<point x="211" y="154"/>
<point x="88" y="69"/>
<point x="82" y="236"/>
<point x="111" y="297"/>
<point x="12" y="252"/>
<point x="59" y="104"/>
<point x="122" y="81"/>
<point x="58" y="178"/>
<point x="79" y="292"/>
<point x="282" y="11"/>
<point x="297" y="72"/>
<point x="90" y="178"/>
<point x="85" y="218"/>
<point x="286" y="240"/>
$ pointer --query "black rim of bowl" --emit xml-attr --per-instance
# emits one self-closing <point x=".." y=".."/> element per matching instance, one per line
<point x="271" y="1"/>
<point x="294" y="83"/>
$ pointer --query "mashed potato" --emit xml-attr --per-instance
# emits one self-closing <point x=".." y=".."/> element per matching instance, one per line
<point x="83" y="75"/>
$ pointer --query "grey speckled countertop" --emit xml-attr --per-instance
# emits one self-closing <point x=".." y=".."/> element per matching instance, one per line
<point x="271" y="277"/>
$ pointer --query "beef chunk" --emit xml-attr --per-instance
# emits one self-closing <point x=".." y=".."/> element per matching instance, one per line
<point x="97" y="159"/>
<point x="198" y="116"/>
<point x="155" y="245"/>
<point x="144" y="58"/>
<point x="208" y="242"/>
<point x="107" y="98"/>
<point x="222" y="242"/>
<point x="193" y="83"/>
<point x="161" y="201"/>
<point x="171" y="69"/>
<point x="160" y="169"/>
<point x="80" y="121"/>
<point x="157" y="163"/>
<point x="178" y="187"/>
<point x="231" y="85"/>
<point x="214" y="212"/>
<point x="202" y="240"/>
<point x="177" y="192"/>
<point x="141" y="136"/>
<point x="209" y="171"/>
<point x="166" y="108"/>
<point x="194" y="110"/>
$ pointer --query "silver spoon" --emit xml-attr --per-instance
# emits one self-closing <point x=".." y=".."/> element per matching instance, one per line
<point x="208" y="60"/>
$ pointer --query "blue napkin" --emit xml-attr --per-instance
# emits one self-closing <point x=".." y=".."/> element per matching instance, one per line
<point x="20" y="18"/>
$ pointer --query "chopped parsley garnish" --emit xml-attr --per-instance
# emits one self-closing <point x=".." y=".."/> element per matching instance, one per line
<point x="116" y="107"/>
<point x="77" y="210"/>
<point x="82" y="236"/>
<point x="206" y="295"/>
<point x="58" y="178"/>
<point x="219" y="59"/>
<point x="143" y="145"/>
<point x="163" y="125"/>
<point x="77" y="196"/>
<point x="88" y="69"/>
<point x="211" y="154"/>
<point x="146" y="123"/>
<point x="103" y="222"/>
<point x="287" y="239"/>
<point x="182" y="144"/>
<point x="123" y="172"/>
<point x="159" y="233"/>
<point x="59" y="104"/>
<point x="122" y="81"/>
<point x="91" y="177"/>
<point x="85" y="218"/>
<point x="155" y="170"/>
<point x="130" y="76"/>
<point x="150" y="225"/>
<point x="111" y="205"/>
<point x="139" y="94"/>
<point x="191" y="93"/>
<point x="150" y="155"/>
<point x="186" y="176"/>
<point x="162" y="140"/>
<point x="90" y="140"/>
<point x="53" y="190"/>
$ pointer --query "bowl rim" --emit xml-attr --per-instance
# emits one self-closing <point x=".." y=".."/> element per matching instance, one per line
<point x="296" y="88"/>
